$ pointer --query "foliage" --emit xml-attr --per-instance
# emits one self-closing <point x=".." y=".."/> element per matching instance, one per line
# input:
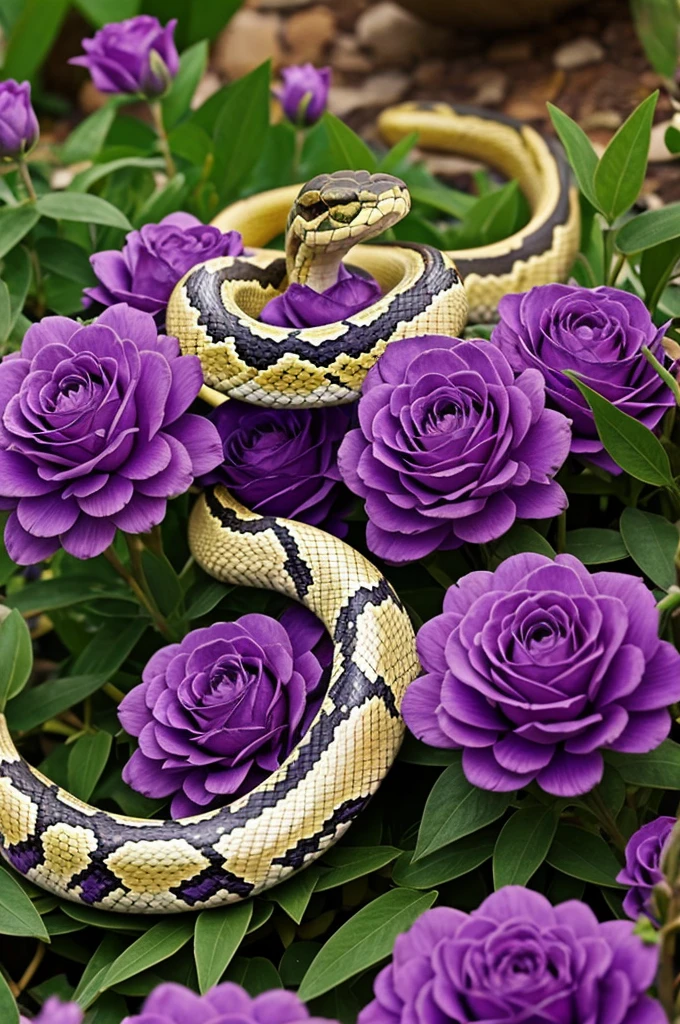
<point x="75" y="640"/>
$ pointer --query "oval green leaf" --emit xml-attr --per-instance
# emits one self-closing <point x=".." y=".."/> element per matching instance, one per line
<point x="620" y="174"/>
<point x="217" y="936"/>
<point x="15" y="222"/>
<point x="522" y="845"/>
<point x="86" y="762"/>
<point x="16" y="657"/>
<point x="579" y="149"/>
<point x="648" y="229"/>
<point x="347" y="863"/>
<point x="659" y="769"/>
<point x="159" y="943"/>
<point x="81" y="206"/>
<point x="447" y="863"/>
<point x="583" y="855"/>
<point x="596" y="547"/>
<point x="364" y="940"/>
<point x="18" y="916"/>
<point x="652" y="543"/>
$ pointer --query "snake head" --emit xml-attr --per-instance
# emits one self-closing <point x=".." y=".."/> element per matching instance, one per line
<point x="336" y="211"/>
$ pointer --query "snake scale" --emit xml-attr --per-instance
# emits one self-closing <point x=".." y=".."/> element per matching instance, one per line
<point x="117" y="863"/>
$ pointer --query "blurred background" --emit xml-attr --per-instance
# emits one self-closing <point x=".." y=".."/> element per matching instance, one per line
<point x="595" y="60"/>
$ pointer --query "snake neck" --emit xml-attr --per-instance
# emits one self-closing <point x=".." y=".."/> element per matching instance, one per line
<point x="318" y="269"/>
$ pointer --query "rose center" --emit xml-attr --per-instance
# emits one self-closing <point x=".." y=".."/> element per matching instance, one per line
<point x="448" y="414"/>
<point x="229" y="677"/>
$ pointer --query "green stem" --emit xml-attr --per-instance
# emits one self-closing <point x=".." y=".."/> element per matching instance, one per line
<point x="158" y="620"/>
<point x="616" y="270"/>
<point x="157" y="115"/>
<point x="562" y="533"/>
<point x="113" y="692"/>
<point x="594" y="801"/>
<point x="58" y="728"/>
<point x="297" y="154"/>
<point x="670" y="602"/>
<point x="25" y="175"/>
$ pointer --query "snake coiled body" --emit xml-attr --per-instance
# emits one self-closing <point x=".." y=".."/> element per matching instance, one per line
<point x="118" y="863"/>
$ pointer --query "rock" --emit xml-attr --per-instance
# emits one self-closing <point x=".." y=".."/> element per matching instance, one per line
<point x="308" y="33"/>
<point x="250" y="38"/>
<point x="510" y="51"/>
<point x="610" y="119"/>
<point x="658" y="151"/>
<point x="377" y="90"/>
<point x="528" y="102"/>
<point x="391" y="34"/>
<point x="578" y="53"/>
<point x="491" y="86"/>
<point x="430" y="74"/>
<point x="347" y="57"/>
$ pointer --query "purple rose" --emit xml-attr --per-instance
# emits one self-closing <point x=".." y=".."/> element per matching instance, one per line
<point x="218" y="712"/>
<point x="94" y="433"/>
<point x="516" y="960"/>
<point x="56" y="1012"/>
<point x="227" y="1003"/>
<point x="301" y="306"/>
<point x="19" y="128"/>
<point x="644" y="855"/>
<point x="599" y="333"/>
<point x="535" y="668"/>
<point x="304" y="93"/>
<point x="133" y="56"/>
<point x="152" y="261"/>
<point x="451" y="448"/>
<point x="284" y="462"/>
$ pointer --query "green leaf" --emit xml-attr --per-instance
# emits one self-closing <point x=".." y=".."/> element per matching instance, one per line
<point x="61" y="592"/>
<point x="240" y="129"/>
<point x="87" y="139"/>
<point x="579" y="149"/>
<point x="204" y="596"/>
<point x="16" y="657"/>
<point x="364" y="940"/>
<point x="191" y="67"/>
<point x="82" y="207"/>
<point x="17" y="274"/>
<point x="295" y="962"/>
<point x="255" y="974"/>
<point x="659" y="769"/>
<point x="168" y="199"/>
<point x="521" y="538"/>
<point x="111" y="1008"/>
<point x="59" y="256"/>
<point x="86" y="179"/>
<point x="447" y="200"/>
<point x="665" y="374"/>
<point x="9" y="1011"/>
<point x="15" y="222"/>
<point x="36" y="705"/>
<point x="621" y="171"/>
<point x="347" y="863"/>
<point x="656" y="23"/>
<point x="392" y="161"/>
<point x="97" y="966"/>
<point x="583" y="855"/>
<point x="595" y="547"/>
<point x="413" y="751"/>
<point x="32" y="36"/>
<point x="454" y="809"/>
<point x="293" y="896"/>
<point x="86" y="762"/>
<point x="100" y="12"/>
<point x="109" y="647"/>
<point x="447" y="863"/>
<point x="630" y="443"/>
<point x="672" y="139"/>
<point x="5" y="312"/>
<point x="656" y="267"/>
<point x="493" y="217"/>
<point x="652" y="543"/>
<point x="159" y="943"/>
<point x="218" y="935"/>
<point x="648" y="229"/>
<point x="346" y="149"/>
<point x="163" y="581"/>
<point x="522" y="845"/>
<point x="18" y="916"/>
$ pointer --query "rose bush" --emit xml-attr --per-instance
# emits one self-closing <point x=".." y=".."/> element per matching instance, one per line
<point x="220" y="711"/>
<point x="536" y="667"/>
<point x="451" y="448"/>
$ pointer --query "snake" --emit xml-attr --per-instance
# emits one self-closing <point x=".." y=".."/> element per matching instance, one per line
<point x="118" y="863"/>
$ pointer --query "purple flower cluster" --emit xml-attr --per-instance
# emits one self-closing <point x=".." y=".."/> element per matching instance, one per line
<point x="94" y="433"/>
<point x="644" y="856"/>
<point x="599" y="333"/>
<point x="56" y="1012"/>
<point x="516" y="960"/>
<point x="451" y="447"/>
<point x="284" y="462"/>
<point x="224" y="1004"/>
<point x="221" y="710"/>
<point x="19" y="128"/>
<point x="137" y="55"/>
<point x="304" y="93"/>
<point x="301" y="306"/>
<point x="535" y="668"/>
<point x="153" y="259"/>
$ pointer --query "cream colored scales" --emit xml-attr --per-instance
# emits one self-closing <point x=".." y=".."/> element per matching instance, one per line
<point x="142" y="865"/>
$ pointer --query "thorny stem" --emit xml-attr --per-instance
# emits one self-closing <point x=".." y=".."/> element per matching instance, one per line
<point x="594" y="801"/>
<point x="25" y="175"/>
<point x="157" y="115"/>
<point x="26" y="978"/>
<point x="158" y="620"/>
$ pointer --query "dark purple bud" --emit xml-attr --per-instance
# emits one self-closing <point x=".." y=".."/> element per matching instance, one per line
<point x="19" y="129"/>
<point x="304" y="92"/>
<point x="133" y="56"/>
